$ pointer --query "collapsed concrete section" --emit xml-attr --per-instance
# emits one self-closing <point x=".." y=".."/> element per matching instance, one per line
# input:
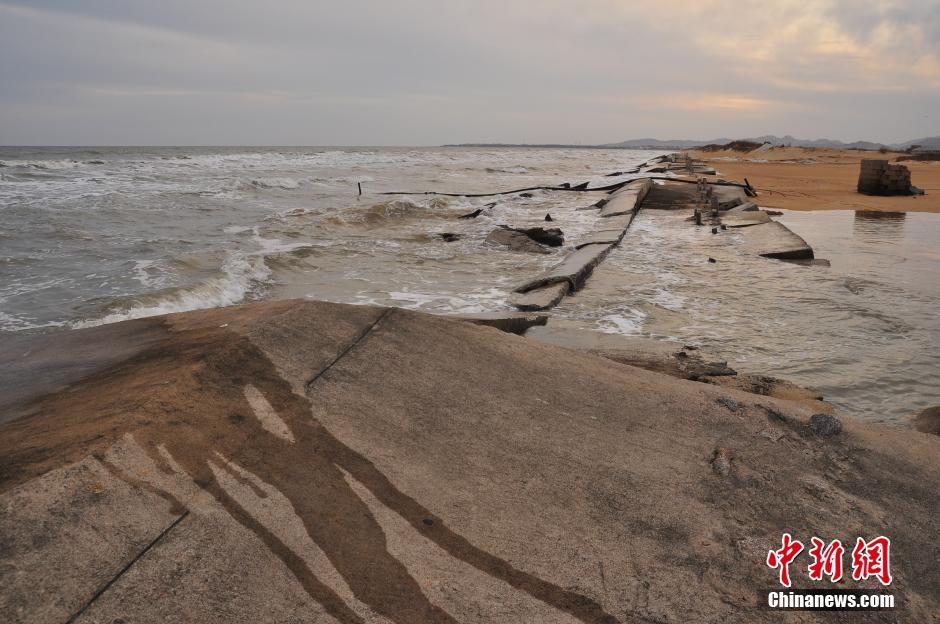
<point x="775" y="240"/>
<point x="742" y="216"/>
<point x="573" y="270"/>
<point x="308" y="462"/>
<point x="547" y="290"/>
<point x="543" y="298"/>
<point x="879" y="177"/>
<point x="627" y="199"/>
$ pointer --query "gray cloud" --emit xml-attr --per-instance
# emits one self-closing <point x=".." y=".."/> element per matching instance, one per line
<point x="365" y="72"/>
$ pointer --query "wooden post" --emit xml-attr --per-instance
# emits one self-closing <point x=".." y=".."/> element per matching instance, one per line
<point x="360" y="187"/>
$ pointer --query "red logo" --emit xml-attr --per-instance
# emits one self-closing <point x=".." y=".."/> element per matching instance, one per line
<point x="826" y="561"/>
<point x="869" y="559"/>
<point x="783" y="557"/>
<point x="872" y="559"/>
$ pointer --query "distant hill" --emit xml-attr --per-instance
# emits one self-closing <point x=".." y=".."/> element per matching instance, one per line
<point x="929" y="142"/>
<point x="651" y="143"/>
<point x="932" y="142"/>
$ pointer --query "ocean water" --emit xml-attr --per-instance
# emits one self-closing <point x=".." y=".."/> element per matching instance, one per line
<point x="97" y="235"/>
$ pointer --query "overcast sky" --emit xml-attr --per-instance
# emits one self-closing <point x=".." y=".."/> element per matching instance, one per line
<point x="387" y="72"/>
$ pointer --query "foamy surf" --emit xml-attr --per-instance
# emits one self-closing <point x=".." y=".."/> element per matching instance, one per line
<point x="240" y="275"/>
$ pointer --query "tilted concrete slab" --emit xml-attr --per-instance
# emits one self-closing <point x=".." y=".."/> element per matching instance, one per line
<point x="775" y="240"/>
<point x="744" y="218"/>
<point x="511" y="322"/>
<point x="602" y="237"/>
<point x="438" y="472"/>
<point x="574" y="269"/>
<point x="672" y="196"/>
<point x="620" y="222"/>
<point x="543" y="298"/>
<point x="627" y="199"/>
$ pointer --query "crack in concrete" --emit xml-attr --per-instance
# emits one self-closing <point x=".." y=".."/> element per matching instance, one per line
<point x="127" y="567"/>
<point x="343" y="353"/>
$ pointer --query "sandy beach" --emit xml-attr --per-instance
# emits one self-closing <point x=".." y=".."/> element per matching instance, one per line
<point x="821" y="179"/>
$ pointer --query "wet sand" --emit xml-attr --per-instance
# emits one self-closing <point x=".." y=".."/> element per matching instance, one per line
<point x="788" y="178"/>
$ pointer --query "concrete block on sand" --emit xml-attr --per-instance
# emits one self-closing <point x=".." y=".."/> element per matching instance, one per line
<point x="775" y="240"/>
<point x="437" y="471"/>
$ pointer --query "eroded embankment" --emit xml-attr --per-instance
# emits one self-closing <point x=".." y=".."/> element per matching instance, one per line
<point x="305" y="461"/>
<point x="715" y="203"/>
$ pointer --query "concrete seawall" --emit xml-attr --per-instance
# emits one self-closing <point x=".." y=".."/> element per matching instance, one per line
<point x="314" y="462"/>
<point x="726" y="205"/>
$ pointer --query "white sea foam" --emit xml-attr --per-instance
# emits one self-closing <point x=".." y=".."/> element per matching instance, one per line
<point x="629" y="322"/>
<point x="279" y="183"/>
<point x="240" y="273"/>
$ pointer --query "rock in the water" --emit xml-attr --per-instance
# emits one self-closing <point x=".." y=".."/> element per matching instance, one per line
<point x="509" y="322"/>
<point x="825" y="424"/>
<point x="928" y="421"/>
<point x="526" y="195"/>
<point x="515" y="240"/>
<point x="449" y="237"/>
<point x="553" y="237"/>
<point x="548" y="217"/>
<point x="712" y="260"/>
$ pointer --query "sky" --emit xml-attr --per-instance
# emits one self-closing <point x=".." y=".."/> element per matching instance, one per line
<point x="406" y="72"/>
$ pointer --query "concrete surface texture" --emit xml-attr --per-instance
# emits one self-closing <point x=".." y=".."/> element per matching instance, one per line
<point x="300" y="461"/>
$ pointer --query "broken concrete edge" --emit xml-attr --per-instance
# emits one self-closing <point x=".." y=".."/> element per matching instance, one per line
<point x="574" y="269"/>
<point x="510" y="322"/>
<point x="744" y="219"/>
<point x="602" y="237"/>
<point x="795" y="254"/>
<point x="775" y="240"/>
<point x="627" y="199"/>
<point x="541" y="298"/>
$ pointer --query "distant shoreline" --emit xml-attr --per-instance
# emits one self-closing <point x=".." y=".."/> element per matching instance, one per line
<point x="559" y="146"/>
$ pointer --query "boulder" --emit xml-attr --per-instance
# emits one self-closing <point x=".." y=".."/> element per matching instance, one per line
<point x="515" y="240"/>
<point x="553" y="237"/>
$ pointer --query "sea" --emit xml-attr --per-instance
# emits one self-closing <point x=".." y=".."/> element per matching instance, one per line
<point x="99" y="235"/>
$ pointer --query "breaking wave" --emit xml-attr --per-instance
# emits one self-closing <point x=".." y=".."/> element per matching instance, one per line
<point x="271" y="183"/>
<point x="240" y="274"/>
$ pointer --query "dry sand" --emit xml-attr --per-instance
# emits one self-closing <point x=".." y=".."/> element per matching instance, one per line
<point x="821" y="179"/>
